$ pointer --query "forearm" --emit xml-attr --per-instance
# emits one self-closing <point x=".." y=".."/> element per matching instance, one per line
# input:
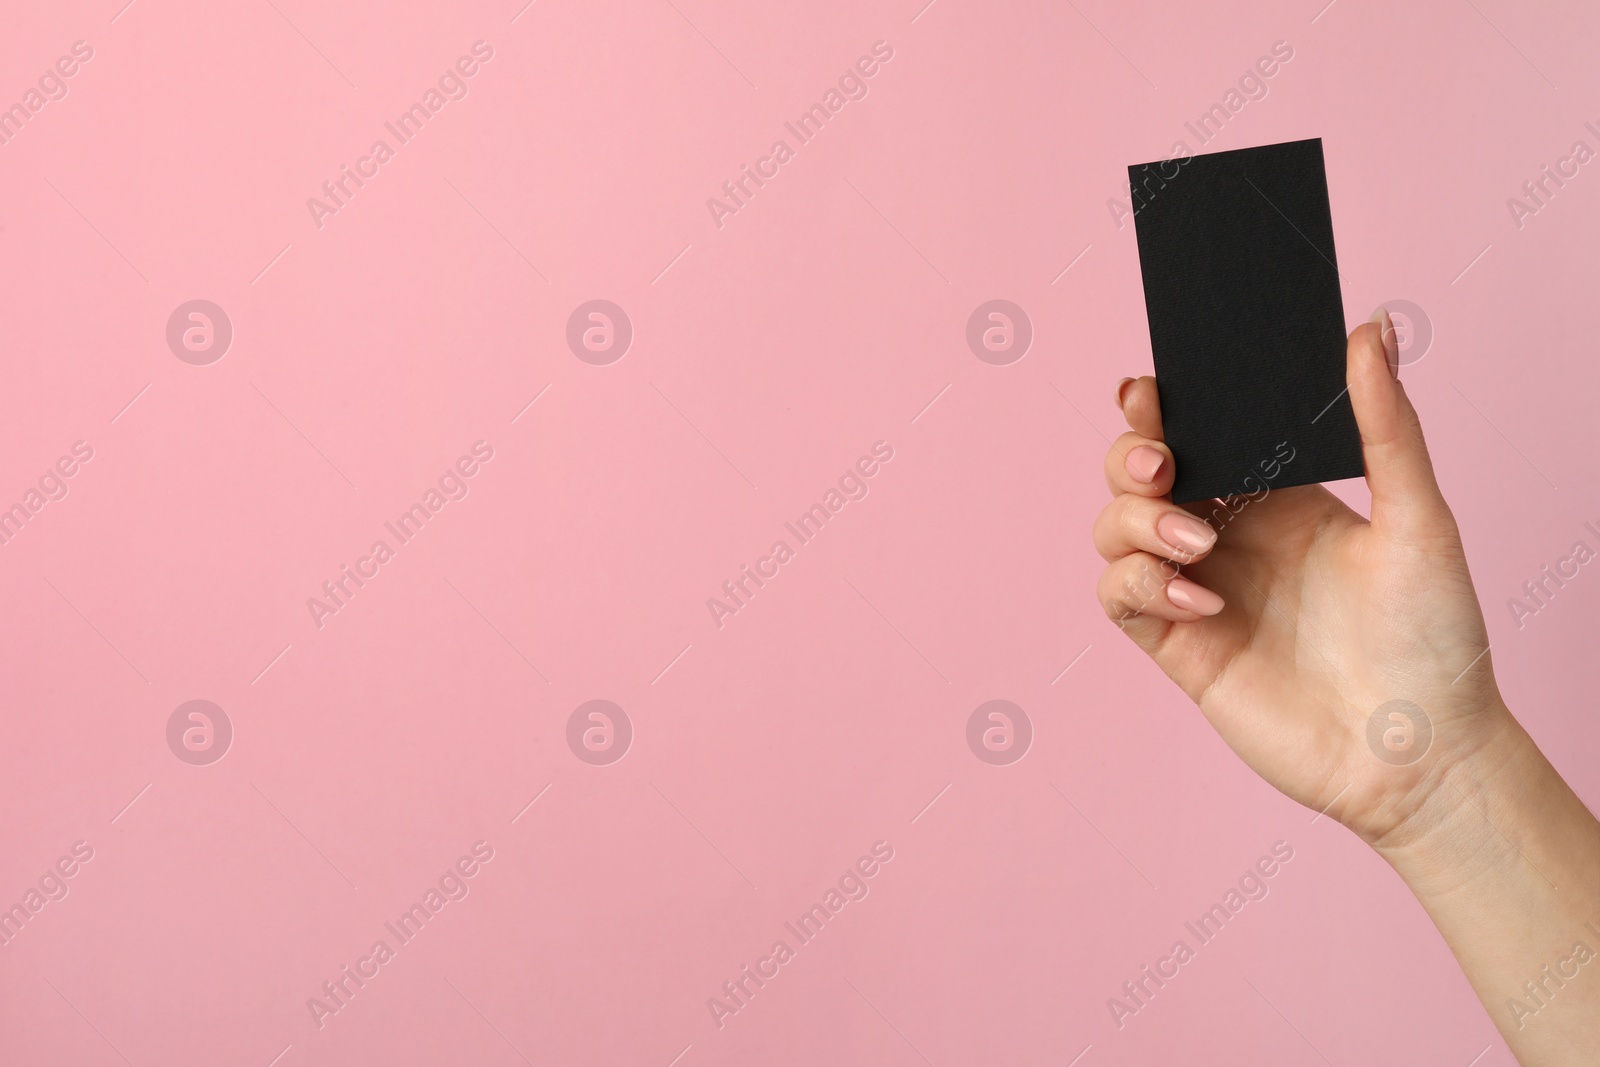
<point x="1506" y="860"/>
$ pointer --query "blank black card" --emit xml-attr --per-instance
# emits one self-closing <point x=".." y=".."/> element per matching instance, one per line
<point x="1241" y="288"/>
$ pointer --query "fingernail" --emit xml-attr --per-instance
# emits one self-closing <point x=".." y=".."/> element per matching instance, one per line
<point x="1144" y="463"/>
<point x="1198" y="599"/>
<point x="1391" y="343"/>
<point x="1122" y="391"/>
<point x="1185" y="533"/>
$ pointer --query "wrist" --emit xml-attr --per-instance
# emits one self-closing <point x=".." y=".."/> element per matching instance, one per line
<point x="1485" y="806"/>
<point x="1449" y="827"/>
<point x="1505" y="859"/>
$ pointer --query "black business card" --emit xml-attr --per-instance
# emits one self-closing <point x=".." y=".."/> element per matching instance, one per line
<point x="1241" y="287"/>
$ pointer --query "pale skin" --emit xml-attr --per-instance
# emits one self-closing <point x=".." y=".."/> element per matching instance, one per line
<point x="1298" y="619"/>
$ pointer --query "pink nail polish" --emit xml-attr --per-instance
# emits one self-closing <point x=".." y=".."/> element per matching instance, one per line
<point x="1185" y="594"/>
<point x="1144" y="463"/>
<point x="1391" y="343"/>
<point x="1185" y="533"/>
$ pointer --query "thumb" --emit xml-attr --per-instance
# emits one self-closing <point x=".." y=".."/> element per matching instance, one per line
<point x="1405" y="496"/>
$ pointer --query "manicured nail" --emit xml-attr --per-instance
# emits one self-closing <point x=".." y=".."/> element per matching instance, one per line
<point x="1122" y="391"/>
<point x="1144" y="463"/>
<point x="1185" y="594"/>
<point x="1185" y="533"/>
<point x="1391" y="343"/>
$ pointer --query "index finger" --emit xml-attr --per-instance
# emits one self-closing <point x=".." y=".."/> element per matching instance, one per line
<point x="1141" y="407"/>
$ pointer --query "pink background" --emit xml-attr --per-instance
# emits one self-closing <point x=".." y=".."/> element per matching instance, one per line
<point x="768" y="355"/>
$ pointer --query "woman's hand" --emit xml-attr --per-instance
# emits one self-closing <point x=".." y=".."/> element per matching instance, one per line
<point x="1294" y="620"/>
<point x="1346" y="661"/>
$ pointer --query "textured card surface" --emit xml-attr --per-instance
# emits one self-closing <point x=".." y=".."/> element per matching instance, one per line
<point x="1241" y="288"/>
